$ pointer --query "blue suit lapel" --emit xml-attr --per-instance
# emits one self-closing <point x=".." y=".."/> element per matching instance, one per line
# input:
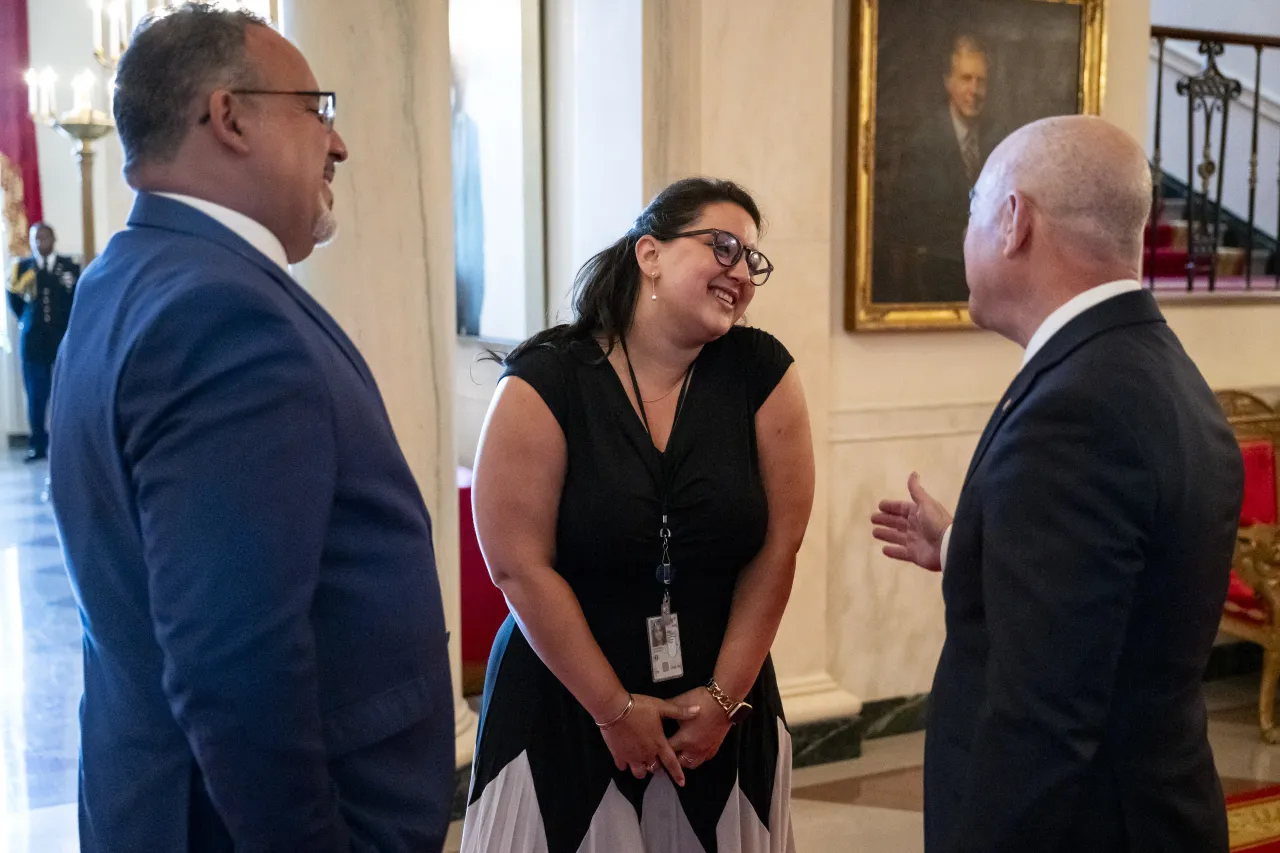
<point x="1125" y="310"/>
<point x="153" y="211"/>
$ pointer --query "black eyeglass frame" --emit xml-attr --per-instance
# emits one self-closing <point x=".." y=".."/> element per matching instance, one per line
<point x="328" y="115"/>
<point x="766" y="271"/>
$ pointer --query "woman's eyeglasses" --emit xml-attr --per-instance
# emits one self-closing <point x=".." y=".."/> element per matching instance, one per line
<point x="728" y="250"/>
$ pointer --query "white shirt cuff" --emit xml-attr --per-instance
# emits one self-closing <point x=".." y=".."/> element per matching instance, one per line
<point x="944" y="547"/>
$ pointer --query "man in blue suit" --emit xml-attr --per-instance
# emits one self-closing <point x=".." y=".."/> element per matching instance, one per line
<point x="1086" y="567"/>
<point x="265" y="650"/>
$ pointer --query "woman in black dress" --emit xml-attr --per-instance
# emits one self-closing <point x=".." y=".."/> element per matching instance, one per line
<point x="643" y="483"/>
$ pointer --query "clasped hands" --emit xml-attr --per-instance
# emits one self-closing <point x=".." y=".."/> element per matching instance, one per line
<point x="639" y="744"/>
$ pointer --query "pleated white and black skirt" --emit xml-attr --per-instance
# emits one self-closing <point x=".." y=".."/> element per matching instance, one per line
<point x="543" y="780"/>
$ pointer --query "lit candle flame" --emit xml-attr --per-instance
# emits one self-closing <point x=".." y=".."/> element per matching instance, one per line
<point x="48" y="94"/>
<point x="116" y="14"/>
<point x="95" y="7"/>
<point x="82" y="87"/>
<point x="33" y="93"/>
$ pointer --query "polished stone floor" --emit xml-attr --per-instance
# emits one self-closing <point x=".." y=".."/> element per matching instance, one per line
<point x="870" y="804"/>
<point x="40" y="669"/>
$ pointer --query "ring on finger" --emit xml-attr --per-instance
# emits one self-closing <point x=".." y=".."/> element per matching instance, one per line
<point x="651" y="766"/>
<point x="687" y="760"/>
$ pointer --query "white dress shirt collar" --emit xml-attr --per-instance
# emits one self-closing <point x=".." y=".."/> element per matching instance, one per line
<point x="47" y="262"/>
<point x="1050" y="327"/>
<point x="252" y="232"/>
<point x="1074" y="308"/>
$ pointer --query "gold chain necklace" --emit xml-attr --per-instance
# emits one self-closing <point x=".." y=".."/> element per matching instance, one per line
<point x="668" y="394"/>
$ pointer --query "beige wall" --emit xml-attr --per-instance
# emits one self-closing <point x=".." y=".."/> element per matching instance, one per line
<point x="389" y="280"/>
<point x="475" y="377"/>
<point x="919" y="401"/>
<point x="745" y="90"/>
<point x="883" y="404"/>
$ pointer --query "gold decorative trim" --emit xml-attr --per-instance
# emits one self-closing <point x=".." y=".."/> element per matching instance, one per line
<point x="15" y="211"/>
<point x="860" y="312"/>
<point x="23" y="285"/>
<point x="1256" y="561"/>
<point x="1196" y="298"/>
<point x="1254" y="822"/>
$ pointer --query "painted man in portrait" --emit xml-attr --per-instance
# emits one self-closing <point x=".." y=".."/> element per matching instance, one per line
<point x="930" y="198"/>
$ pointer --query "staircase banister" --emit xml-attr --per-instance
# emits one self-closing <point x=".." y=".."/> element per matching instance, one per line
<point x="1183" y="34"/>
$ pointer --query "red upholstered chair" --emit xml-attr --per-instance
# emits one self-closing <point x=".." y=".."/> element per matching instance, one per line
<point x="1253" y="599"/>
<point x="483" y="606"/>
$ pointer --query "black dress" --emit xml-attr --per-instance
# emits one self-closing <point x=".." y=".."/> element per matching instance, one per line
<point x="543" y="778"/>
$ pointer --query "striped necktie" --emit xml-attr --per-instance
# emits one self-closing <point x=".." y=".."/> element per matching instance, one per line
<point x="969" y="151"/>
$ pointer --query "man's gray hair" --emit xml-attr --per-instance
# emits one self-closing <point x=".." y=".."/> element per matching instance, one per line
<point x="962" y="43"/>
<point x="967" y="43"/>
<point x="176" y="58"/>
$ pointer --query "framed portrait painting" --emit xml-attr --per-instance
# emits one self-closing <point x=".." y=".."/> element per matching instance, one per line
<point x="936" y="85"/>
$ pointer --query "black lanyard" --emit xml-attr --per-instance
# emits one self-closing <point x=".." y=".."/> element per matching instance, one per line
<point x="665" y="573"/>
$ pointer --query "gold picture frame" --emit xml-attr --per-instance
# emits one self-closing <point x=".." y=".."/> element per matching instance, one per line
<point x="863" y="310"/>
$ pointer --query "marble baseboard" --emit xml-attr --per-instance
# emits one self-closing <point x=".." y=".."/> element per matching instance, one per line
<point x="897" y="716"/>
<point x="825" y="741"/>
<point x="903" y="714"/>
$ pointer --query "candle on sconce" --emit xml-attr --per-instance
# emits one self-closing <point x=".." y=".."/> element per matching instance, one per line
<point x="33" y="94"/>
<point x="82" y="87"/>
<point x="48" y="94"/>
<point x="116" y="25"/>
<point x="95" y="7"/>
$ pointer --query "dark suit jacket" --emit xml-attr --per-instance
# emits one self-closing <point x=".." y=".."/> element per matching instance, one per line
<point x="1087" y="570"/>
<point x="265" y="649"/>
<point x="41" y="300"/>
<point x="929" y="212"/>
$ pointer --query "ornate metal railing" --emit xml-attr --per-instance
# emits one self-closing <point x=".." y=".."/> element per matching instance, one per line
<point x="1210" y="96"/>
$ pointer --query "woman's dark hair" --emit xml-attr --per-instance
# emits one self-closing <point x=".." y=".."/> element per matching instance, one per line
<point x="605" y="289"/>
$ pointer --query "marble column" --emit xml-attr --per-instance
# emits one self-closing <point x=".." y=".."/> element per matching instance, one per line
<point x="117" y="196"/>
<point x="388" y="278"/>
<point x="729" y="94"/>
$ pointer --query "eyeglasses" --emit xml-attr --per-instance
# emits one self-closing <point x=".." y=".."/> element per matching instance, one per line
<point x="728" y="250"/>
<point x="325" y="109"/>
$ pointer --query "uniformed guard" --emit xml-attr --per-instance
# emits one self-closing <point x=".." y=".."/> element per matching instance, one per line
<point x="40" y="292"/>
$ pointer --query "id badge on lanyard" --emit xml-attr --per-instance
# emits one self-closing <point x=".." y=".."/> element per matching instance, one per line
<point x="663" y="631"/>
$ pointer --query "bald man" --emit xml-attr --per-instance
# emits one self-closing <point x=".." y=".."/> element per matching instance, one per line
<point x="1087" y="564"/>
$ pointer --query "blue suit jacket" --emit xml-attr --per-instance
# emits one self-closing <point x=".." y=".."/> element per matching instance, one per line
<point x="265" y="652"/>
<point x="1084" y="583"/>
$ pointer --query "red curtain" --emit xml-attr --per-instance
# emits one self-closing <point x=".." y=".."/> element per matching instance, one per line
<point x="19" y="168"/>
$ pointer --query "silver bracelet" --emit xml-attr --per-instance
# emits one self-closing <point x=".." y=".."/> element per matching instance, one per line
<point x="631" y="702"/>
